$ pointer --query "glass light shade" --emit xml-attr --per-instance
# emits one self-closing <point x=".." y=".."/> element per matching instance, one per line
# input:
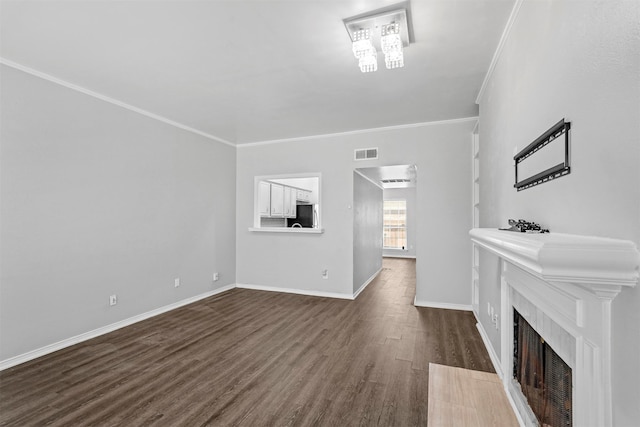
<point x="391" y="45"/>
<point x="362" y="43"/>
<point x="394" y="60"/>
<point x="369" y="63"/>
<point x="390" y="38"/>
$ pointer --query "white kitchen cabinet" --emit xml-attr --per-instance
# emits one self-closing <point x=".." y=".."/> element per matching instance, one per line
<point x="277" y="201"/>
<point x="289" y="202"/>
<point x="264" y="199"/>
<point x="303" y="196"/>
<point x="293" y="192"/>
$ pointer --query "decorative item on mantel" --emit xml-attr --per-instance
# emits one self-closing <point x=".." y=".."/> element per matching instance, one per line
<point x="523" y="226"/>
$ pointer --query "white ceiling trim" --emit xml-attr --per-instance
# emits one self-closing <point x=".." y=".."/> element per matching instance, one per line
<point x="360" y="131"/>
<point x="110" y="100"/>
<point x="498" y="52"/>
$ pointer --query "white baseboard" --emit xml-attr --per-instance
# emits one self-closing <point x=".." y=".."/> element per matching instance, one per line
<point x="445" y="305"/>
<point x="492" y="353"/>
<point x="364" y="285"/>
<point x="34" y="354"/>
<point x="398" y="256"/>
<point x="295" y="291"/>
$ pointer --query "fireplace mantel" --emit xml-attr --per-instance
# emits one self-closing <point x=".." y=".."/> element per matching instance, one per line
<point x="564" y="286"/>
<point x="599" y="264"/>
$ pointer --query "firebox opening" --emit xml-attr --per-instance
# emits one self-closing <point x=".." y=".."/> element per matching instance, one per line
<point x="544" y="378"/>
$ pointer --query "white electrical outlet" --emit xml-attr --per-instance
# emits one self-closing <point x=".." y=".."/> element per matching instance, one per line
<point x="176" y="282"/>
<point x="216" y="277"/>
<point x="496" y="320"/>
<point x="325" y="274"/>
<point x="113" y="300"/>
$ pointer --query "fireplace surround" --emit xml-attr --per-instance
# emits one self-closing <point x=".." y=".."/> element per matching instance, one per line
<point x="563" y="286"/>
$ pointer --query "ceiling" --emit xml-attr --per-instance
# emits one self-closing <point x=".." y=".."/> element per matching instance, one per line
<point x="249" y="71"/>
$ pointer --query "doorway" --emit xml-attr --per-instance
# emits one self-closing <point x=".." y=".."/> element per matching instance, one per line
<point x="385" y="219"/>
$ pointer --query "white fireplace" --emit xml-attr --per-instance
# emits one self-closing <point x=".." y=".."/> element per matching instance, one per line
<point x="563" y="286"/>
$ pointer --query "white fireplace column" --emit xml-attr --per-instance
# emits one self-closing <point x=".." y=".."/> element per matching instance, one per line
<point x="563" y="285"/>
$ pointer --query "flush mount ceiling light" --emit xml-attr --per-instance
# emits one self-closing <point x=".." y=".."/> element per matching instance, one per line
<point x="388" y="28"/>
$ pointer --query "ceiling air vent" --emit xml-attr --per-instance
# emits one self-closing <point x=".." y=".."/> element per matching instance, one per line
<point x="366" y="154"/>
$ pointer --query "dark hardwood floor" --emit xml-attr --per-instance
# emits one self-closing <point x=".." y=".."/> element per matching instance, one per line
<point x="254" y="358"/>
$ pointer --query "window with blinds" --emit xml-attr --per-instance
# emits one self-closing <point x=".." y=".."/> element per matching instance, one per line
<point x="395" y="224"/>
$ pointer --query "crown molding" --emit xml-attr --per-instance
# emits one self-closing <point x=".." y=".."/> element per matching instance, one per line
<point x="358" y="132"/>
<point x="113" y="101"/>
<point x="498" y="52"/>
<point x="110" y="100"/>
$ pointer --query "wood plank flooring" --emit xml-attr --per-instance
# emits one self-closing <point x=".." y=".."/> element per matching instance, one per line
<point x="465" y="398"/>
<point x="254" y="358"/>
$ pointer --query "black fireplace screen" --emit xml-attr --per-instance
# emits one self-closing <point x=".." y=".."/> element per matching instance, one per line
<point x="545" y="379"/>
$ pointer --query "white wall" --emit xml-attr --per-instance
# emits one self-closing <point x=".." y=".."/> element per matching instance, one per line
<point x="99" y="200"/>
<point x="489" y="292"/>
<point x="577" y="60"/>
<point x="408" y="194"/>
<point x="441" y="153"/>
<point x="367" y="230"/>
